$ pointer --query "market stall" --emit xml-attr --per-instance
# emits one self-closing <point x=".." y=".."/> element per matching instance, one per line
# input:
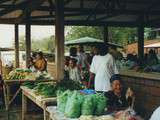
<point x="44" y="94"/>
<point x="16" y="78"/>
<point x="80" y="12"/>
<point x="39" y="100"/>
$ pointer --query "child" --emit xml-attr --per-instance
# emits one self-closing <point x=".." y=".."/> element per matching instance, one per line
<point x="73" y="70"/>
<point x="31" y="65"/>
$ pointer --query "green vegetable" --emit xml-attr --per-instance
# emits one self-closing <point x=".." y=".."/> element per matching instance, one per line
<point x="88" y="105"/>
<point x="68" y="84"/>
<point x="29" y="85"/>
<point x="73" y="106"/>
<point x="62" y="100"/>
<point x="101" y="102"/>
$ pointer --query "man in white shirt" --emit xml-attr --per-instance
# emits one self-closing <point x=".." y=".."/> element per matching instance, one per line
<point x="156" y="114"/>
<point x="103" y="66"/>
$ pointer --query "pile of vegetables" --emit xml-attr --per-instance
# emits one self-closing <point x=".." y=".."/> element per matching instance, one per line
<point x="29" y="85"/>
<point x="68" y="85"/>
<point x="43" y="75"/>
<point x="50" y="89"/>
<point x="47" y="90"/>
<point x="74" y="104"/>
<point x="20" y="74"/>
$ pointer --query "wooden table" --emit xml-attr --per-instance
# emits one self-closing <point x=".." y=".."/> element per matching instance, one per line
<point x="55" y="114"/>
<point x="38" y="100"/>
<point x="6" y="89"/>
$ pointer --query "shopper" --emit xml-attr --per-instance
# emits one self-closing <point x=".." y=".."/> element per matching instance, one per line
<point x="156" y="114"/>
<point x="83" y="63"/>
<point x="74" y="73"/>
<point x="103" y="66"/>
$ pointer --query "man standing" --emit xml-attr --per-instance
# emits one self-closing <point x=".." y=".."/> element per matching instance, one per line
<point x="103" y="66"/>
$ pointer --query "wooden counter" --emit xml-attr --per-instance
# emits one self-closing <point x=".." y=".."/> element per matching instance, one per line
<point x="149" y="75"/>
<point x="41" y="101"/>
<point x="11" y="83"/>
<point x="146" y="87"/>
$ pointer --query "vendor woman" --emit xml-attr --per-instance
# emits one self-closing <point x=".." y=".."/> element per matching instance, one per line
<point x="40" y="63"/>
<point x="118" y="99"/>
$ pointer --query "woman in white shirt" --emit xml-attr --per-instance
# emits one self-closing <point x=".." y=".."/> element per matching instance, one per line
<point x="156" y="114"/>
<point x="103" y="66"/>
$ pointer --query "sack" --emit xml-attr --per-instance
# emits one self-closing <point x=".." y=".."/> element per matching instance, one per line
<point x="62" y="100"/>
<point x="101" y="104"/>
<point x="73" y="106"/>
<point x="88" y="105"/>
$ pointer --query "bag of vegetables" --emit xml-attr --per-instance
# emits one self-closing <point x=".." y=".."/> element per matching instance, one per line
<point x="88" y="105"/>
<point x="62" y="100"/>
<point x="73" y="106"/>
<point x="101" y="104"/>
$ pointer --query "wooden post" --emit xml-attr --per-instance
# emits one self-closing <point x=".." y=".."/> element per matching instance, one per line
<point x="24" y="106"/>
<point x="59" y="39"/>
<point x="16" y="46"/>
<point x="141" y="42"/>
<point x="105" y="34"/>
<point x="28" y="42"/>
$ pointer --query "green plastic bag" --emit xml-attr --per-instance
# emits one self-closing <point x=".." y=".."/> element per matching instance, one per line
<point x="88" y="105"/>
<point x="62" y="100"/>
<point x="73" y="106"/>
<point x="101" y="102"/>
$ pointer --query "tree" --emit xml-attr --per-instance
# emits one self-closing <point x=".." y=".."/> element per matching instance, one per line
<point x="22" y="45"/>
<point x="119" y="35"/>
<point x="45" y="44"/>
<point x="149" y="34"/>
<point x="122" y="35"/>
<point x="76" y="32"/>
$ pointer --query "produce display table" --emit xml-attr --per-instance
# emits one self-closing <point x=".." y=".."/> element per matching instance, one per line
<point x="39" y="100"/>
<point x="6" y="89"/>
<point x="54" y="114"/>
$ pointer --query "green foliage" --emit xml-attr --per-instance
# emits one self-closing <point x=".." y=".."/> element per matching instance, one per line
<point x="45" y="44"/>
<point x="122" y="35"/>
<point x="119" y="35"/>
<point x="75" y="32"/>
<point x="148" y="34"/>
<point x="22" y="43"/>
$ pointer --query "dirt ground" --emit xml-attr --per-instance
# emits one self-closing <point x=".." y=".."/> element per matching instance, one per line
<point x="15" y="114"/>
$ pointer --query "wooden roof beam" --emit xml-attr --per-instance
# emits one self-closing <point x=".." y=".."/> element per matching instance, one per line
<point x="11" y="8"/>
<point x="93" y="12"/>
<point x="67" y="2"/>
<point x="99" y="10"/>
<point x="51" y="5"/>
<point x="81" y="4"/>
<point x="2" y="1"/>
<point x="31" y="6"/>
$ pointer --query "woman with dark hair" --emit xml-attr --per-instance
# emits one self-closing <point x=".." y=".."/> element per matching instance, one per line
<point x="103" y="66"/>
<point x="74" y="73"/>
<point x="40" y="63"/>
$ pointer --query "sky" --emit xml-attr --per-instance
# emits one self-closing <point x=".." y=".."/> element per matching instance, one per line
<point x="37" y="32"/>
